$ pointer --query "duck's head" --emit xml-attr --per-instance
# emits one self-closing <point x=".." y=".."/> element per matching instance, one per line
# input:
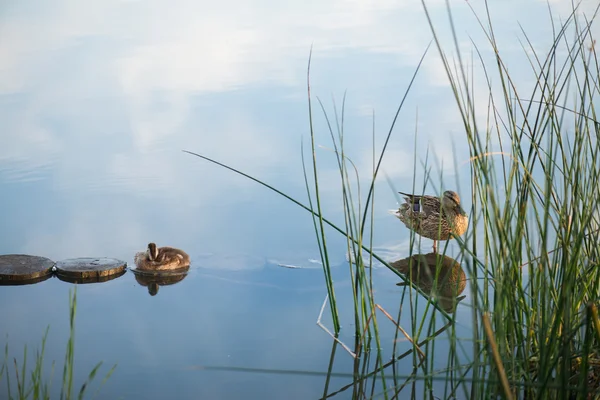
<point x="451" y="201"/>
<point x="152" y="251"/>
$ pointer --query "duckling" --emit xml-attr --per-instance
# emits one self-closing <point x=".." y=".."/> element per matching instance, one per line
<point x="161" y="258"/>
<point x="433" y="217"/>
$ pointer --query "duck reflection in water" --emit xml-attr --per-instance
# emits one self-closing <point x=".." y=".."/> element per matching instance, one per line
<point x="157" y="279"/>
<point x="422" y="269"/>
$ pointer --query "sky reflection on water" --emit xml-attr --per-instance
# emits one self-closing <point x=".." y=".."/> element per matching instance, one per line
<point x="98" y="100"/>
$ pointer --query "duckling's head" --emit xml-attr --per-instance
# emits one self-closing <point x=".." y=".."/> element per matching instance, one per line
<point x="451" y="201"/>
<point x="152" y="251"/>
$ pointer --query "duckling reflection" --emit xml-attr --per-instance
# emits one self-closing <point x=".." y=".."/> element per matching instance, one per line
<point x="153" y="281"/>
<point x="451" y="279"/>
<point x="161" y="259"/>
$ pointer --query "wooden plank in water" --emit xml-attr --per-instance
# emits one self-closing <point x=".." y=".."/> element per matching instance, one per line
<point x="89" y="267"/>
<point x="22" y="269"/>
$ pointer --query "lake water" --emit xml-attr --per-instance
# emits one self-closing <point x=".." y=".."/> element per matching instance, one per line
<point x="98" y="100"/>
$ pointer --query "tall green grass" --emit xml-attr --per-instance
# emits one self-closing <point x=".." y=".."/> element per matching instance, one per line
<point x="532" y="253"/>
<point x="22" y="383"/>
<point x="535" y="252"/>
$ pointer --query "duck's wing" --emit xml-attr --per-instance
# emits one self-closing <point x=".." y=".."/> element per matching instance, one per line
<point x="422" y="203"/>
<point x="413" y="201"/>
<point x="165" y="255"/>
<point x="173" y="255"/>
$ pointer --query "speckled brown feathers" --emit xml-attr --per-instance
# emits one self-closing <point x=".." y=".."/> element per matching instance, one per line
<point x="161" y="258"/>
<point x="433" y="217"/>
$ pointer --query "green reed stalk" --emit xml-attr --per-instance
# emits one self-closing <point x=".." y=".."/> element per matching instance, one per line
<point x="35" y="384"/>
<point x="365" y="316"/>
<point x="67" y="379"/>
<point x="320" y="227"/>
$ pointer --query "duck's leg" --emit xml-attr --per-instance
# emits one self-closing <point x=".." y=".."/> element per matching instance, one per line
<point x="435" y="246"/>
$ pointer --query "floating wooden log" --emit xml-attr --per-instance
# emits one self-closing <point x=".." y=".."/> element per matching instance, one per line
<point x="89" y="268"/>
<point x="90" y="279"/>
<point x="22" y="269"/>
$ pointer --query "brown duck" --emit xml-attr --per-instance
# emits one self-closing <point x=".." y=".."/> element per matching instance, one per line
<point x="433" y="217"/>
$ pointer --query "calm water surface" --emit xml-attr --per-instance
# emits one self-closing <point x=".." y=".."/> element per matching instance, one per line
<point x="98" y="100"/>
